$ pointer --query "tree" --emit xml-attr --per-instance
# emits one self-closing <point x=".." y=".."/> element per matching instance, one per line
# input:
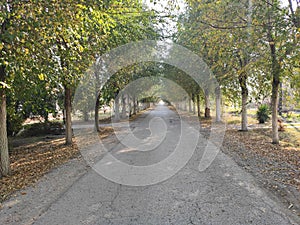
<point x="130" y="21"/>
<point x="16" y="25"/>
<point x="224" y="41"/>
<point x="235" y="43"/>
<point x="275" y="27"/>
<point x="5" y="170"/>
<point x="72" y="42"/>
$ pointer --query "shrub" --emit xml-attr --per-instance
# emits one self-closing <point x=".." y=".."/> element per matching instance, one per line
<point x="40" y="129"/>
<point x="263" y="113"/>
<point x="14" y="124"/>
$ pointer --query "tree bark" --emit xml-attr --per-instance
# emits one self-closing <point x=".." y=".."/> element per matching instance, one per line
<point x="117" y="109"/>
<point x="97" y="106"/>
<point x="123" y="116"/>
<point x="129" y="106"/>
<point x="207" y="104"/>
<point x="97" y="95"/>
<point x="218" y="104"/>
<point x="4" y="154"/>
<point x="46" y="117"/>
<point x="68" y="109"/>
<point x="280" y="104"/>
<point x="190" y="105"/>
<point x="137" y="106"/>
<point x="275" y="92"/>
<point x="134" y="105"/>
<point x="198" y="105"/>
<point x="244" y="92"/>
<point x="194" y="104"/>
<point x="275" y="135"/>
<point x="86" y="115"/>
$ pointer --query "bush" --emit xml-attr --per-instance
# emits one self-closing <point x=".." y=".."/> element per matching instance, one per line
<point x="40" y="129"/>
<point x="263" y="113"/>
<point x="14" y="124"/>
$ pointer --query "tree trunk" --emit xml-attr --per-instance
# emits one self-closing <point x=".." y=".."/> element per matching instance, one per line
<point x="85" y="115"/>
<point x="194" y="104"/>
<point x="190" y="105"/>
<point x="198" y="105"/>
<point x="46" y="117"/>
<point x="4" y="155"/>
<point x="123" y="116"/>
<point x="97" y="106"/>
<point x="129" y="106"/>
<point x="275" y="92"/>
<point x="137" y="106"/>
<point x="207" y="104"/>
<point x="97" y="96"/>
<point x="68" y="108"/>
<point x="134" y="105"/>
<point x="275" y="135"/>
<point x="244" y="91"/>
<point x="117" y="109"/>
<point x="218" y="104"/>
<point x="280" y="104"/>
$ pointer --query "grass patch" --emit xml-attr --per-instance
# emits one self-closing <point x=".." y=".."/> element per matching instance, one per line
<point x="236" y="120"/>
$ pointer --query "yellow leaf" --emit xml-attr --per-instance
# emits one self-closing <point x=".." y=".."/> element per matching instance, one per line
<point x="26" y="50"/>
<point x="42" y="76"/>
<point x="80" y="48"/>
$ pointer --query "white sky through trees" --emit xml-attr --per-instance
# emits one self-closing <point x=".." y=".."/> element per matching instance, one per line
<point x="169" y="10"/>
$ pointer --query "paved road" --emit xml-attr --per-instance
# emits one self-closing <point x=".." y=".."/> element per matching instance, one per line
<point x="76" y="194"/>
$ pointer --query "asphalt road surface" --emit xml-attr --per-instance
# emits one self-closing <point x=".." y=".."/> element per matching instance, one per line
<point x="76" y="194"/>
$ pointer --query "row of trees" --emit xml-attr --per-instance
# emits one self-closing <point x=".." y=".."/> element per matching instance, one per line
<point x="46" y="46"/>
<point x="251" y="47"/>
<point x="122" y="92"/>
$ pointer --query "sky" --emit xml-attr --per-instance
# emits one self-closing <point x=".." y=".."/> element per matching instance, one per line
<point x="286" y="3"/>
<point x="164" y="8"/>
<point x="162" y="5"/>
